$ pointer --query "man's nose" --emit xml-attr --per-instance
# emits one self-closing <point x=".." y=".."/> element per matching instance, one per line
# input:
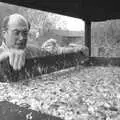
<point x="21" y="37"/>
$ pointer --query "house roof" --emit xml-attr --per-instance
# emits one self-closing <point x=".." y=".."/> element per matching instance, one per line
<point x="93" y="10"/>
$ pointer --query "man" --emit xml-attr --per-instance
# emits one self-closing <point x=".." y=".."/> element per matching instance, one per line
<point x="15" y="30"/>
<point x="51" y="46"/>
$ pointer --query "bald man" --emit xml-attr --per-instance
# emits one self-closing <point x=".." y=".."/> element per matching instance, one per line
<point x="51" y="46"/>
<point x="15" y="30"/>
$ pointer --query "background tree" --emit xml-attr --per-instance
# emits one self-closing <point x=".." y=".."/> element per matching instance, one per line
<point x="106" y="35"/>
<point x="41" y="22"/>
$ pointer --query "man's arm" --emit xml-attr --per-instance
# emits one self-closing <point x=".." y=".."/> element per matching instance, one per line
<point x="33" y="51"/>
<point x="3" y="54"/>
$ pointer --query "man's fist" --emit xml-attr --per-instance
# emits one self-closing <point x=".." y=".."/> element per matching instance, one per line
<point x="16" y="58"/>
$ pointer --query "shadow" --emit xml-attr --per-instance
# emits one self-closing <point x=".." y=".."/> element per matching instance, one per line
<point x="9" y="111"/>
<point x="103" y="61"/>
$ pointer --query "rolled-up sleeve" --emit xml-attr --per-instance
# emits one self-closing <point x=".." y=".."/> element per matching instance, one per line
<point x="33" y="51"/>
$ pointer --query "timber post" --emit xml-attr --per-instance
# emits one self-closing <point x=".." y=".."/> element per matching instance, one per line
<point x="88" y="35"/>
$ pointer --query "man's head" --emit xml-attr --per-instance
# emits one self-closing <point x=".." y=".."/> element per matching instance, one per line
<point x="50" y="45"/>
<point x="15" y="31"/>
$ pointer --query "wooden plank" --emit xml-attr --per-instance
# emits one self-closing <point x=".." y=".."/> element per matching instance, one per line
<point x="102" y="61"/>
<point x="9" y="111"/>
<point x="38" y="66"/>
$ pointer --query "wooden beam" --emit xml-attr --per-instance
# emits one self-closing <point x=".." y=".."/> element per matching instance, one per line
<point x="10" y="111"/>
<point x="88" y="35"/>
<point x="43" y="65"/>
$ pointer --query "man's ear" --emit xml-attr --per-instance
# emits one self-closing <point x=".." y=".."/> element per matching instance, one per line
<point x="4" y="37"/>
<point x="4" y="34"/>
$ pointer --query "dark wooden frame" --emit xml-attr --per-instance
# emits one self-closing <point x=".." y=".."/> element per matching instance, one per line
<point x="41" y="65"/>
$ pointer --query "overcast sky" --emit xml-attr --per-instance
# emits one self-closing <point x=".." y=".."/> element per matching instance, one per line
<point x="75" y="24"/>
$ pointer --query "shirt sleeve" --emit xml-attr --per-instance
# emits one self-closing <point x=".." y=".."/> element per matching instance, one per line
<point x="33" y="51"/>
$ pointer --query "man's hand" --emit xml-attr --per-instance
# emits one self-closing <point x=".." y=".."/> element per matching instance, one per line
<point x="16" y="58"/>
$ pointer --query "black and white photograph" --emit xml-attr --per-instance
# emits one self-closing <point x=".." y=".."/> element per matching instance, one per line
<point x="59" y="60"/>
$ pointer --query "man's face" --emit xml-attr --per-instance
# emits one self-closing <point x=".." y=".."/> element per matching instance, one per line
<point x="16" y="35"/>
